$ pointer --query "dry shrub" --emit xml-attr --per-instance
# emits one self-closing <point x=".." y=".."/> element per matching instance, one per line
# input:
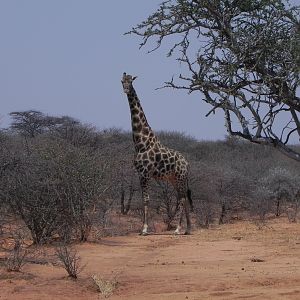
<point x="70" y="260"/>
<point x="105" y="286"/>
<point x="17" y="256"/>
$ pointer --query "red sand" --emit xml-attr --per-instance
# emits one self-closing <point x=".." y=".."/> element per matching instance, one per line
<point x="236" y="261"/>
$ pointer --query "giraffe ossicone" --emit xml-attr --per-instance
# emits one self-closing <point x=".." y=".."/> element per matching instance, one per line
<point x="154" y="160"/>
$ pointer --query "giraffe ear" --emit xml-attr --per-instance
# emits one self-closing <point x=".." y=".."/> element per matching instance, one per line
<point x="133" y="78"/>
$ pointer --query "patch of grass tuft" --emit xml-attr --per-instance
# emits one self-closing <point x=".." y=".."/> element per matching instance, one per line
<point x="105" y="287"/>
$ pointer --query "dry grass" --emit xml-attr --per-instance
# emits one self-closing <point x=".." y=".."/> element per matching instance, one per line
<point x="105" y="286"/>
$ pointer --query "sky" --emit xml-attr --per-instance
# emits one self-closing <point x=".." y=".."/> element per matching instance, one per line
<point x="67" y="57"/>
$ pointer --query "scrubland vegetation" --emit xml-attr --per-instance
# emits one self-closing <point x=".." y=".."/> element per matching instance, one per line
<point x="62" y="180"/>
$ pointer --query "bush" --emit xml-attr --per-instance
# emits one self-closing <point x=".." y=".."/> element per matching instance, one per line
<point x="17" y="255"/>
<point x="53" y="187"/>
<point x="70" y="260"/>
<point x="62" y="178"/>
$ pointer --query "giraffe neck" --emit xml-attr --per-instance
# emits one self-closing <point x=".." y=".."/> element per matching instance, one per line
<point x="142" y="133"/>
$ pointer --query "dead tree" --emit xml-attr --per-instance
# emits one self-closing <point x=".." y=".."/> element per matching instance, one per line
<point x="244" y="58"/>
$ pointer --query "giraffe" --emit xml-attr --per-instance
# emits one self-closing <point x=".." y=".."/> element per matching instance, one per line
<point x="153" y="160"/>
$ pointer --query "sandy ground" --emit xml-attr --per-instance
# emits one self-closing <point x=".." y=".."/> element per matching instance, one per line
<point x="235" y="261"/>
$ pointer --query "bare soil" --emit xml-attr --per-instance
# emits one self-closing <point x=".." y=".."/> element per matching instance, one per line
<point x="235" y="261"/>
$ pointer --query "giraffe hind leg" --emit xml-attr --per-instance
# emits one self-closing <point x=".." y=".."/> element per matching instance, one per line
<point x="184" y="207"/>
<point x="188" y="218"/>
<point x="180" y="214"/>
<point x="145" y="225"/>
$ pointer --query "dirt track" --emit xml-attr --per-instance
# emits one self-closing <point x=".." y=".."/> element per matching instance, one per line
<point x="236" y="261"/>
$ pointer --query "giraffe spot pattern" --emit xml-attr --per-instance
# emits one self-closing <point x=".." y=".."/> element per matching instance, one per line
<point x="162" y="163"/>
<point x="152" y="158"/>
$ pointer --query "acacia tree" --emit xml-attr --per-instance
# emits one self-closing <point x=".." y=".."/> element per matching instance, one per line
<point x="243" y="55"/>
<point x="28" y="123"/>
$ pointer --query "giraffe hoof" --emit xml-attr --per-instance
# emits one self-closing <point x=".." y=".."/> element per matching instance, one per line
<point x="144" y="233"/>
<point x="187" y="233"/>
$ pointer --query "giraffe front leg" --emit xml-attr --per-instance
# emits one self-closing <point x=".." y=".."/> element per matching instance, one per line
<point x="144" y="184"/>
<point x="145" y="225"/>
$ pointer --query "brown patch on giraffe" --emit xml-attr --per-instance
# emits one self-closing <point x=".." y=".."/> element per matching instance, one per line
<point x="171" y="178"/>
<point x="165" y="156"/>
<point x="139" y="127"/>
<point x="151" y="153"/>
<point x="135" y="119"/>
<point x="134" y="110"/>
<point x="145" y="131"/>
<point x="158" y="157"/>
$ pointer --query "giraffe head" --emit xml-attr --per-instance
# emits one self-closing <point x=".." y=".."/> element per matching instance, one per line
<point x="127" y="82"/>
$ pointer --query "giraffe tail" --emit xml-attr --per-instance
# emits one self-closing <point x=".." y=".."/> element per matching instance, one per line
<point x="189" y="196"/>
